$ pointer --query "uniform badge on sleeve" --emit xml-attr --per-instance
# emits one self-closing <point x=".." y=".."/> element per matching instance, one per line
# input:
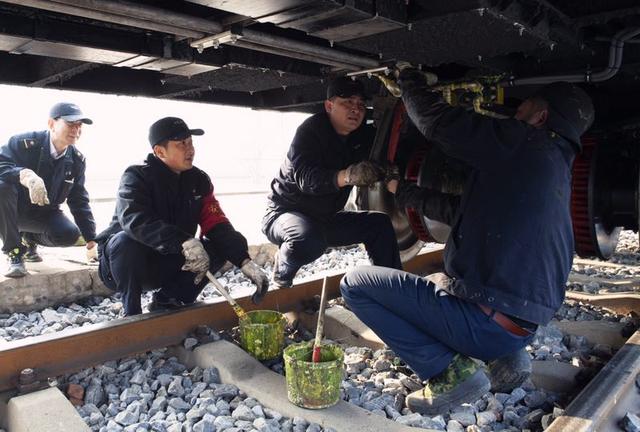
<point x="28" y="143"/>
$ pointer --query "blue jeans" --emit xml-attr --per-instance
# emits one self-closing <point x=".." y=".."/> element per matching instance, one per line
<point x="425" y="329"/>
<point x="303" y="239"/>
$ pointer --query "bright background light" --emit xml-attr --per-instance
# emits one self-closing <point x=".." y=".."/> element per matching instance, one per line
<point x="241" y="149"/>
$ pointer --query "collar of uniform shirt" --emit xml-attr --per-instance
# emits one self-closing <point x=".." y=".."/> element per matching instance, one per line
<point x="54" y="153"/>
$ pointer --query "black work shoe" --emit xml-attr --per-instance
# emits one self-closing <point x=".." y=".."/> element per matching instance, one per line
<point x="275" y="278"/>
<point x="160" y="303"/>
<point x="463" y="381"/>
<point x="510" y="371"/>
<point x="31" y="255"/>
<point x="16" y="264"/>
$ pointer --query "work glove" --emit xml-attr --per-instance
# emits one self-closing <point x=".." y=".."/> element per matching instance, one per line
<point x="258" y="277"/>
<point x="391" y="172"/>
<point x="364" y="173"/>
<point x="196" y="259"/>
<point x="37" y="189"/>
<point x="92" y="252"/>
<point x="410" y="77"/>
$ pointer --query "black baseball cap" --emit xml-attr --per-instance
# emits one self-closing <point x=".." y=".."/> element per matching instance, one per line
<point x="170" y="129"/>
<point x="345" y="87"/>
<point x="571" y="111"/>
<point x="69" y="112"/>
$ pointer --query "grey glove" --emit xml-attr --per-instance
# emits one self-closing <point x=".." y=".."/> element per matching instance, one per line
<point x="364" y="173"/>
<point x="258" y="277"/>
<point x="196" y="259"/>
<point x="37" y="189"/>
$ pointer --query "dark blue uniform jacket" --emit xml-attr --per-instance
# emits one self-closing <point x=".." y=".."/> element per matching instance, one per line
<point x="306" y="181"/>
<point x="511" y="244"/>
<point x="64" y="178"/>
<point x="162" y="209"/>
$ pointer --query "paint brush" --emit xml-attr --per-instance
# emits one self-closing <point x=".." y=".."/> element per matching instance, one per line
<point x="315" y="357"/>
<point x="222" y="290"/>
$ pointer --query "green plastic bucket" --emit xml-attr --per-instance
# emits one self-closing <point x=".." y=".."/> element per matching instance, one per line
<point x="262" y="333"/>
<point x="313" y="385"/>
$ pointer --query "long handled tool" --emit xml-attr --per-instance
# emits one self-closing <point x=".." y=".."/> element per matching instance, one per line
<point x="315" y="357"/>
<point x="222" y="290"/>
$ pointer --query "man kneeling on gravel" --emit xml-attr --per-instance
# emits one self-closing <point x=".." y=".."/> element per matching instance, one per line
<point x="509" y="253"/>
<point x="150" y="242"/>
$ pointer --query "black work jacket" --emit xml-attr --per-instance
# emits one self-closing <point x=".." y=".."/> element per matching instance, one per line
<point x="162" y="209"/>
<point x="511" y="244"/>
<point x="307" y="180"/>
<point x="64" y="178"/>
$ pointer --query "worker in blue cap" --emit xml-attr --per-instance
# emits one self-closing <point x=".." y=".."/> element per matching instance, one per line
<point x="38" y="172"/>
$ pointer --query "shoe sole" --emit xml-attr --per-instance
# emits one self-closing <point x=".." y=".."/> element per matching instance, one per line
<point x="509" y="372"/>
<point x="16" y="274"/>
<point x="32" y="259"/>
<point x="469" y="391"/>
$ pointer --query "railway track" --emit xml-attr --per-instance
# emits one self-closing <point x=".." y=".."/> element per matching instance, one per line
<point x="28" y="364"/>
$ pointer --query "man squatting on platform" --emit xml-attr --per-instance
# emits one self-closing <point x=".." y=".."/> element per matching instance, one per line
<point x="39" y="170"/>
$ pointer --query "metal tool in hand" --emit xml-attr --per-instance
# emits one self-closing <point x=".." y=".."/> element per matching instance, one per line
<point x="315" y="357"/>
<point x="222" y="290"/>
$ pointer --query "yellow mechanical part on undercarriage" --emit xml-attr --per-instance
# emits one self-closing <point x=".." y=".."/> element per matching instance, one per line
<point x="473" y="94"/>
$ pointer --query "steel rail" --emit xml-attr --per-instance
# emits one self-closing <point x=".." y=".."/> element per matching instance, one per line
<point x="622" y="303"/>
<point x="612" y="392"/>
<point x="607" y="397"/>
<point x="68" y="350"/>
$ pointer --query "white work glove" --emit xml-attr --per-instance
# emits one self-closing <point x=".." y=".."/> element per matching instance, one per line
<point x="196" y="259"/>
<point x="258" y="277"/>
<point x="92" y="252"/>
<point x="37" y="189"/>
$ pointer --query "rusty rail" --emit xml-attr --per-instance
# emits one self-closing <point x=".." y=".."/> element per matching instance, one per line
<point x="58" y="353"/>
<point x="612" y="392"/>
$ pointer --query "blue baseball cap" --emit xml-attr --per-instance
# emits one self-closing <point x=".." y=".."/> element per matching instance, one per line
<point x="69" y="112"/>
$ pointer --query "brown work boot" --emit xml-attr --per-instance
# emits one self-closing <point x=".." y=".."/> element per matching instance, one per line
<point x="509" y="371"/>
<point x="463" y="381"/>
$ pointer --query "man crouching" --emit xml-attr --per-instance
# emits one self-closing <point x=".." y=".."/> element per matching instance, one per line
<point x="150" y="242"/>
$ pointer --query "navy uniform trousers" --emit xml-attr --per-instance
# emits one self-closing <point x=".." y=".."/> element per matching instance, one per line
<point x="47" y="226"/>
<point x="303" y="239"/>
<point x="421" y="326"/>
<point x="131" y="268"/>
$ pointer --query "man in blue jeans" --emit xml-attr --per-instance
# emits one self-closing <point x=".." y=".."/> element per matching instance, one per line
<point x="510" y="250"/>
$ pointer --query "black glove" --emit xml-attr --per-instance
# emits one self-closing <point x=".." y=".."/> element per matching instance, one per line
<point x="391" y="171"/>
<point x="412" y="78"/>
<point x="364" y="173"/>
<point x="409" y="195"/>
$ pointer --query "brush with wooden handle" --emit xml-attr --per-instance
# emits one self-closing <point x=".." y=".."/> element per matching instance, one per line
<point x="315" y="357"/>
<point x="222" y="290"/>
